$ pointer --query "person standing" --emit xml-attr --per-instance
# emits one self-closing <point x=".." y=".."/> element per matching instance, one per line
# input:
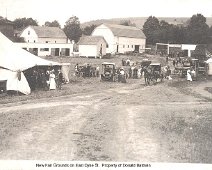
<point x="97" y="71"/>
<point x="174" y="62"/>
<point x="189" y="78"/>
<point x="52" y="82"/>
<point x="76" y="69"/>
<point x="167" y="59"/>
<point x="139" y="72"/>
<point x="122" y="75"/>
<point x="60" y="80"/>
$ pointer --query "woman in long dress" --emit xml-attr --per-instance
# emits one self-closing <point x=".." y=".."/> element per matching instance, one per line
<point x="52" y="81"/>
<point x="189" y="78"/>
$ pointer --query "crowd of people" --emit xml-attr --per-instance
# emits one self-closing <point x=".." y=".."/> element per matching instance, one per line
<point x="135" y="72"/>
<point x="49" y="79"/>
<point x="191" y="74"/>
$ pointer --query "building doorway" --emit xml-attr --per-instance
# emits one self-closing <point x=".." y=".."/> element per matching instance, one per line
<point x="55" y="51"/>
<point x="136" y="48"/>
<point x="67" y="52"/>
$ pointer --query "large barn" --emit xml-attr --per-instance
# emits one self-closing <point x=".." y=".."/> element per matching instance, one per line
<point x="121" y="39"/>
<point x="40" y="34"/>
<point x="45" y="41"/>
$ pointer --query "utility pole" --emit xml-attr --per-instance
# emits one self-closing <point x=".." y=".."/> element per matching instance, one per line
<point x="6" y="13"/>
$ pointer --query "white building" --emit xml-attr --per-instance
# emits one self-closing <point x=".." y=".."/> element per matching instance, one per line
<point x="38" y="34"/>
<point x="121" y="39"/>
<point x="44" y="41"/>
<point x="188" y="48"/>
<point x="48" y="49"/>
<point x="92" y="46"/>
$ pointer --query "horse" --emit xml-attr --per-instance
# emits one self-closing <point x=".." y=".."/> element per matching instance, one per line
<point x="147" y="75"/>
<point x="93" y="71"/>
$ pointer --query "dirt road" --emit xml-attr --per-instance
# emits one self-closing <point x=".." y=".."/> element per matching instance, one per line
<point x="132" y="122"/>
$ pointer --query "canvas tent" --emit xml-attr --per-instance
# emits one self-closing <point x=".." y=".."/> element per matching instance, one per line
<point x="209" y="62"/>
<point x="13" y="61"/>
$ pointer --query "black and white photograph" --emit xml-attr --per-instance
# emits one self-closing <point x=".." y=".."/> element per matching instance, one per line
<point x="96" y="84"/>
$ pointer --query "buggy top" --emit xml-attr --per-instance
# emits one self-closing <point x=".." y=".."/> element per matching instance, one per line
<point x="107" y="63"/>
<point x="155" y="64"/>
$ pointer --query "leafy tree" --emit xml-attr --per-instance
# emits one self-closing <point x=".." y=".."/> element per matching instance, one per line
<point x="127" y="23"/>
<point x="72" y="28"/>
<point x="151" y="29"/>
<point x="179" y="35"/>
<point x="20" y="23"/>
<point x="164" y="32"/>
<point x="89" y="29"/>
<point x="198" y="30"/>
<point x="54" y="23"/>
<point x="210" y="34"/>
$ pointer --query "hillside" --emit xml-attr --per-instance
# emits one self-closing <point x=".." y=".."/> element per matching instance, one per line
<point x="139" y="21"/>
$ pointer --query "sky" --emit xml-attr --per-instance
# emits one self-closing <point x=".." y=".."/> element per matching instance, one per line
<point x="86" y="10"/>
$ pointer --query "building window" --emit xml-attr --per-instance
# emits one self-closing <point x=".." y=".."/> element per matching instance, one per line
<point x="46" y="41"/>
<point x="107" y="46"/>
<point x="28" y="32"/>
<point x="128" y="46"/>
<point x="28" y="40"/>
<point x="34" y="41"/>
<point x="132" y="46"/>
<point x="123" y="46"/>
<point x="55" y="41"/>
<point x="44" y="49"/>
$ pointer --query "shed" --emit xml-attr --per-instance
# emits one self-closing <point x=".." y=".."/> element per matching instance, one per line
<point x="92" y="46"/>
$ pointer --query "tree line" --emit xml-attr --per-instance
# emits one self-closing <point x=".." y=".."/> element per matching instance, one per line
<point x="72" y="27"/>
<point x="195" y="31"/>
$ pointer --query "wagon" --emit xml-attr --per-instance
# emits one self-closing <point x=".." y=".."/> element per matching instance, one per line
<point x="156" y="72"/>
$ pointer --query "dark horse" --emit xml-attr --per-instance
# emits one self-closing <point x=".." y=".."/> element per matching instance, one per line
<point x="147" y="75"/>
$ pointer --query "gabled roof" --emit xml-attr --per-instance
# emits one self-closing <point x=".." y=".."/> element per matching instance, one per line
<point x="91" y="40"/>
<point x="125" y="31"/>
<point x="49" y="32"/>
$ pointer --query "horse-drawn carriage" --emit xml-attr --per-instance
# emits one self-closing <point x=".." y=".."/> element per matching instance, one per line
<point x="152" y="73"/>
<point x="86" y="70"/>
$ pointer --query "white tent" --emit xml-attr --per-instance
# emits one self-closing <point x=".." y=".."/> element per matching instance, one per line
<point x="14" y="60"/>
<point x="209" y="62"/>
<point x="12" y="81"/>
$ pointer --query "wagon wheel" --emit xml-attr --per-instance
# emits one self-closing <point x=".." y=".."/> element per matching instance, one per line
<point x="154" y="80"/>
<point x="151" y="81"/>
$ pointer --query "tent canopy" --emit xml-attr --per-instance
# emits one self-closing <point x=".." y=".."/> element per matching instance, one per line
<point x="15" y="58"/>
<point x="209" y="60"/>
